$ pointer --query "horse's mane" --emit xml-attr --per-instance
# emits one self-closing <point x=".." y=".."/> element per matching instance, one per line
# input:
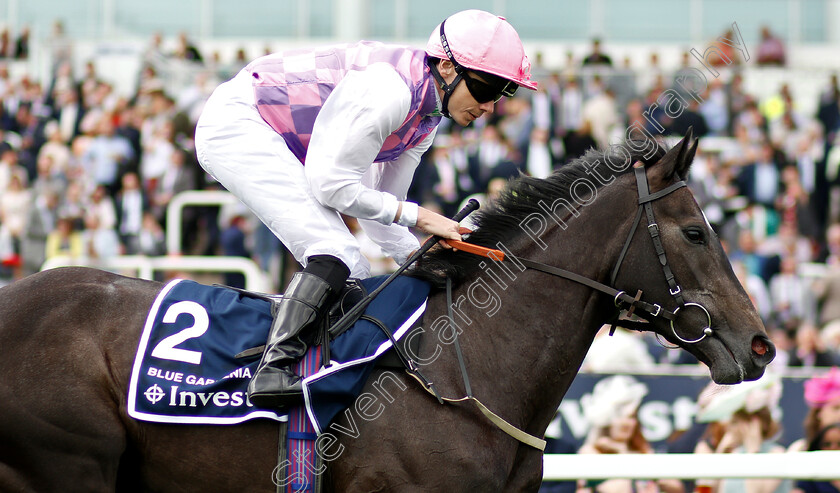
<point x="499" y="222"/>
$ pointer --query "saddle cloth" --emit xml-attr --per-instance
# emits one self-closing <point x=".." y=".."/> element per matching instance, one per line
<point x="185" y="370"/>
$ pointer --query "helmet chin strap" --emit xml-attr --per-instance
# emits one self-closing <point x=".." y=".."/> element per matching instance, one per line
<point x="448" y="89"/>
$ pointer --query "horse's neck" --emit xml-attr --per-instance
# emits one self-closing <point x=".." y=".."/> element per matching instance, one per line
<point x="525" y="333"/>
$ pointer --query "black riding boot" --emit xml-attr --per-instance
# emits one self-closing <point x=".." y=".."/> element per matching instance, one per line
<point x="275" y="383"/>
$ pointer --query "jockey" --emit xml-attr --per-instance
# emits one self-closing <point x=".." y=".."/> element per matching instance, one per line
<point x="302" y="137"/>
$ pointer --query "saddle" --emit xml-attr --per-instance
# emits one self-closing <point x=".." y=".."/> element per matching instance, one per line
<point x="352" y="293"/>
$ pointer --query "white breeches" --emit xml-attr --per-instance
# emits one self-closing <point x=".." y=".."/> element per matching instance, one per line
<point x="243" y="153"/>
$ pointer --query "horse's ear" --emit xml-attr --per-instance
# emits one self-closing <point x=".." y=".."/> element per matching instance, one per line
<point x="678" y="159"/>
<point x="683" y="164"/>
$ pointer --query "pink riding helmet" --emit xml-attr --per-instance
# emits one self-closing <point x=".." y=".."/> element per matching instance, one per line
<point x="482" y="41"/>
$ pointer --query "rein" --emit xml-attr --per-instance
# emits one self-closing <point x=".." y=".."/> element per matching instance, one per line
<point x="501" y="423"/>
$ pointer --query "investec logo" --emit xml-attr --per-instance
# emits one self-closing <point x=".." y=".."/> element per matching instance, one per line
<point x="186" y="398"/>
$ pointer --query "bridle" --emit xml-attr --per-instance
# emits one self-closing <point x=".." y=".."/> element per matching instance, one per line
<point x="645" y="204"/>
<point x="622" y="300"/>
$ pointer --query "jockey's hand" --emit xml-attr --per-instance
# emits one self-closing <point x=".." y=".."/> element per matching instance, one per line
<point x="434" y="224"/>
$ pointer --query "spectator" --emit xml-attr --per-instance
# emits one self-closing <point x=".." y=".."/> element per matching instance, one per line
<point x="444" y="177"/>
<point x="797" y="212"/>
<point x="131" y="204"/>
<point x="43" y="215"/>
<point x="724" y="53"/>
<point x="612" y="413"/>
<point x="108" y="156"/>
<point x="159" y="151"/>
<point x="22" y="44"/>
<point x="756" y="289"/>
<point x="540" y="161"/>
<point x="828" y="438"/>
<point x="101" y="242"/>
<point x="570" y="107"/>
<point x="151" y="240"/>
<point x="827" y="288"/>
<point x="822" y="395"/>
<point x="516" y="128"/>
<point x="595" y="57"/>
<point x="810" y="350"/>
<point x="74" y="204"/>
<point x="154" y="55"/>
<point x="757" y="264"/>
<point x="233" y="245"/>
<point x="601" y="112"/>
<point x="690" y="117"/>
<point x="55" y="149"/>
<point x="714" y="108"/>
<point x="69" y="113"/>
<point x="828" y="112"/>
<point x="742" y="419"/>
<point x="5" y="42"/>
<point x="793" y="303"/>
<point x="771" y="49"/>
<point x="177" y="177"/>
<point x="493" y="157"/>
<point x="65" y="240"/>
<point x="186" y="49"/>
<point x="578" y="141"/>
<point x="9" y="165"/>
<point x="652" y="75"/>
<point x="101" y="206"/>
<point x="760" y="181"/>
<point x="60" y="46"/>
<point x="14" y="210"/>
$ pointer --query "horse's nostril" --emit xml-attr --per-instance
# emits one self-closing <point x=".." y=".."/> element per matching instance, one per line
<point x="759" y="346"/>
<point x="763" y="348"/>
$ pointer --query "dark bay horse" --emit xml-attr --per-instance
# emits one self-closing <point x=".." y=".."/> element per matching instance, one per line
<point x="68" y="337"/>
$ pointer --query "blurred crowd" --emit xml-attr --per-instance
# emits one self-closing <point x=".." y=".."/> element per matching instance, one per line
<point x="85" y="171"/>
<point x="727" y="419"/>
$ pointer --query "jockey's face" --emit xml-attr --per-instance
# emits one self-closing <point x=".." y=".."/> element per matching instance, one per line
<point x="463" y="108"/>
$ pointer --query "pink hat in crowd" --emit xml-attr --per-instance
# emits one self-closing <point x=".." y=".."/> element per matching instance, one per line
<point x="821" y="390"/>
<point x="482" y="41"/>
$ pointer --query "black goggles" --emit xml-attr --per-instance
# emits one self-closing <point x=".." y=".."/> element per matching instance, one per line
<point x="481" y="91"/>
<point x="484" y="93"/>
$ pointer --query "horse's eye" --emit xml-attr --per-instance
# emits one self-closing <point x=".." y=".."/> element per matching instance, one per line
<point x="695" y="235"/>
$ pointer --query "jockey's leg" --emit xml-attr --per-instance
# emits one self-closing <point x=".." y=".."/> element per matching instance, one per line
<point x="306" y="300"/>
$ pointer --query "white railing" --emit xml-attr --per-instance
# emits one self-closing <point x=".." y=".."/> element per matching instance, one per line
<point x="175" y="210"/>
<point x="821" y="465"/>
<point x="145" y="267"/>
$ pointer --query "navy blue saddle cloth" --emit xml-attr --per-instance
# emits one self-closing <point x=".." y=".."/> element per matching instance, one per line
<point x="186" y="369"/>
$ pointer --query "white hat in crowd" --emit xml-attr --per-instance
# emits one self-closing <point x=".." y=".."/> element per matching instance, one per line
<point x="720" y="402"/>
<point x="612" y="397"/>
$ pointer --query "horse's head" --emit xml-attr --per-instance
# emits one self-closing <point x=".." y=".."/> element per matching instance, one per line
<point x="675" y="257"/>
<point x="587" y="223"/>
